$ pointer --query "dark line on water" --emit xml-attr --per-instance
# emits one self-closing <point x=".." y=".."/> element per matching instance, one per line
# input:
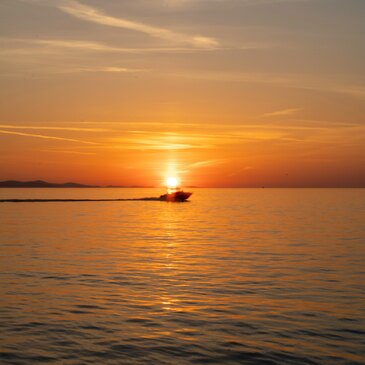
<point x="75" y="200"/>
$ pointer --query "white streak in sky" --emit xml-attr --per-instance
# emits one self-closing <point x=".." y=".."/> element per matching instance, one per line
<point x="281" y="113"/>
<point x="207" y="163"/>
<point x="12" y="126"/>
<point x="45" y="137"/>
<point x="94" y="15"/>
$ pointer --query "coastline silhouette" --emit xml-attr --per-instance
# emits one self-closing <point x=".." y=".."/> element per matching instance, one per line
<point x="46" y="184"/>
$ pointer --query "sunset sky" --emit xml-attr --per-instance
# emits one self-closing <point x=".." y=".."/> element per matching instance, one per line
<point x="228" y="93"/>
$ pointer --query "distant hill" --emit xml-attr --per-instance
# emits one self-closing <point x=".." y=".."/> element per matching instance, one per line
<point x="41" y="184"/>
<point x="45" y="184"/>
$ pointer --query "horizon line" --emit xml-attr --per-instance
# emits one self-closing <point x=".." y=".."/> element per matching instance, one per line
<point x="58" y="185"/>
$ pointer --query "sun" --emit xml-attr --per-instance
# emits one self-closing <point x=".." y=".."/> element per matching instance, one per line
<point x="172" y="182"/>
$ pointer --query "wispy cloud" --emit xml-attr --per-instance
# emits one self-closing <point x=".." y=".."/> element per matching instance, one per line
<point x="258" y="2"/>
<point x="154" y="140"/>
<point x="19" y="46"/>
<point x="192" y="3"/>
<point x="280" y="113"/>
<point x="94" y="15"/>
<point x="71" y="152"/>
<point x="46" y="137"/>
<point x="207" y="163"/>
<point x="299" y="81"/>
<point x="75" y="129"/>
<point x="54" y="56"/>
<point x="110" y="69"/>
<point x="73" y="44"/>
<point x="157" y="144"/>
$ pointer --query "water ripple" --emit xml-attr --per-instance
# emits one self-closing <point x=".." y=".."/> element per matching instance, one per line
<point x="249" y="277"/>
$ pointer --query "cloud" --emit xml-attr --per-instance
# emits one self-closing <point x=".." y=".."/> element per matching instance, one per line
<point x="111" y="69"/>
<point x="159" y="144"/>
<point x="192" y="3"/>
<point x="20" y="52"/>
<point x="46" y="137"/>
<point x="207" y="163"/>
<point x="71" y="152"/>
<point x="75" y="44"/>
<point x="94" y="15"/>
<point x="299" y="81"/>
<point x="281" y="113"/>
<point x="11" y="126"/>
<point x="156" y="140"/>
<point x="258" y="2"/>
<point x="51" y="45"/>
<point x="54" y="56"/>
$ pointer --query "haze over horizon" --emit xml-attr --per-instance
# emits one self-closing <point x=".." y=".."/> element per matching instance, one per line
<point x="233" y="93"/>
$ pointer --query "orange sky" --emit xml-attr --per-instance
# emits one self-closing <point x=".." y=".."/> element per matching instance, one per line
<point x="218" y="93"/>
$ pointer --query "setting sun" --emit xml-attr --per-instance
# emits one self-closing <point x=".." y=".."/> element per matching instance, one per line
<point x="172" y="182"/>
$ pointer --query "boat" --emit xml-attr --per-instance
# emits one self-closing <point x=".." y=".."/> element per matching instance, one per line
<point x="176" y="196"/>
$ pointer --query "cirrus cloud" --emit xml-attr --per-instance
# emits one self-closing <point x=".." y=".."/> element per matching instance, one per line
<point x="94" y="15"/>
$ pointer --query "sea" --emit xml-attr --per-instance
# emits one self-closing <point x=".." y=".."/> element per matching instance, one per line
<point x="234" y="276"/>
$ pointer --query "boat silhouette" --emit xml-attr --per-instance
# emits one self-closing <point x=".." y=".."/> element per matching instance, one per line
<point x="175" y="195"/>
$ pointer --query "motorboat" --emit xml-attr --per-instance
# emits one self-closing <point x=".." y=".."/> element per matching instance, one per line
<point x="175" y="195"/>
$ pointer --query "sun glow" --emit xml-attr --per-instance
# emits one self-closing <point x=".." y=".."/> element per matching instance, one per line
<point x="172" y="182"/>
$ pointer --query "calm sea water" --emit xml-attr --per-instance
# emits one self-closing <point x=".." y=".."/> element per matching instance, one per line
<point x="236" y="276"/>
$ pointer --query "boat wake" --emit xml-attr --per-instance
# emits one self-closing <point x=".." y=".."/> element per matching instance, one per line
<point x="175" y="196"/>
<point x="160" y="199"/>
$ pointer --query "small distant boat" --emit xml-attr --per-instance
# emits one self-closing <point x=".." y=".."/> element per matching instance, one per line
<point x="176" y="196"/>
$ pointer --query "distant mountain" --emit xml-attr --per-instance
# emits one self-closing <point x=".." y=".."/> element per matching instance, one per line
<point x="41" y="184"/>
